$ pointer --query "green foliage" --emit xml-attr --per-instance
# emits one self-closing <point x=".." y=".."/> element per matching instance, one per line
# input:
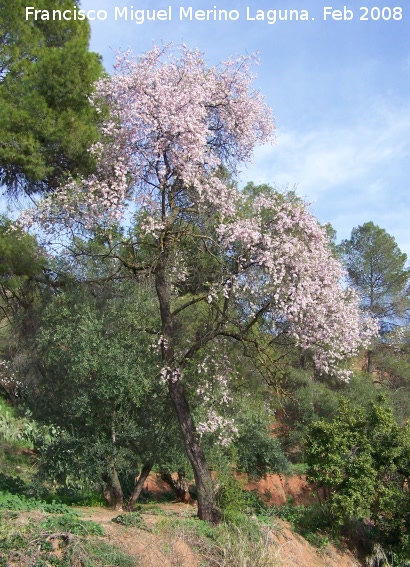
<point x="339" y="456"/>
<point x="10" y="501"/>
<point x="58" y="508"/>
<point x="232" y="499"/>
<point x="131" y="520"/>
<point x="23" y="269"/>
<point x="290" y="513"/>
<point x="60" y="541"/>
<point x="16" y="460"/>
<point x="236" y="503"/>
<point x="318" y="540"/>
<point x="70" y="523"/>
<point x="311" y="399"/>
<point x="14" y="485"/>
<point x="310" y="521"/>
<point x="21" y="257"/>
<point x="57" y="500"/>
<point x="14" y="502"/>
<point x="97" y="384"/>
<point x="361" y="460"/>
<point x="308" y="400"/>
<point x="14" y="429"/>
<point x="47" y="73"/>
<point x="391" y="364"/>
<point x="377" y="270"/>
<point x="257" y="452"/>
<point x="94" y="341"/>
<point x="78" y="497"/>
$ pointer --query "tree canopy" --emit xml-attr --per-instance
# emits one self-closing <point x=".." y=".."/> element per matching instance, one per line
<point x="261" y="267"/>
<point x="46" y="77"/>
<point x="377" y="270"/>
<point x="361" y="460"/>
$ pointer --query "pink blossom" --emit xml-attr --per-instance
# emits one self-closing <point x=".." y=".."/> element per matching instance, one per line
<point x="173" y="124"/>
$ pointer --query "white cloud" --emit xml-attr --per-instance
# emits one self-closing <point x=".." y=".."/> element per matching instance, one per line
<point x="320" y="160"/>
<point x="353" y="172"/>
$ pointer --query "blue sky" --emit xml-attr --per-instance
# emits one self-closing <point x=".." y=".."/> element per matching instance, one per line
<point x="339" y="91"/>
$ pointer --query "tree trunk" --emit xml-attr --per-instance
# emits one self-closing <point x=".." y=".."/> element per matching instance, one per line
<point x="369" y="361"/>
<point x="179" y="486"/>
<point x="113" y="490"/>
<point x="139" y="485"/>
<point x="207" y="508"/>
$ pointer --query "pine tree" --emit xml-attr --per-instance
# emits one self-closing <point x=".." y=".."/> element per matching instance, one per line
<point x="46" y="77"/>
<point x="377" y="269"/>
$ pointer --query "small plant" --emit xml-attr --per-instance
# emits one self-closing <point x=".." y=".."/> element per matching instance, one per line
<point x="290" y="513"/>
<point x="17" y="502"/>
<point x="152" y="508"/>
<point x="232" y="498"/>
<point x="14" y="429"/>
<point x="59" y="508"/>
<point x="131" y="520"/>
<point x="318" y="540"/>
<point x="71" y="524"/>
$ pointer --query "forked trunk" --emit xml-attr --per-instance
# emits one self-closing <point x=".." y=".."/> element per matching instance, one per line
<point x="179" y="486"/>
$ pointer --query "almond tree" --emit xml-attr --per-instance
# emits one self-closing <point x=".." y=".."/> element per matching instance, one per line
<point x="226" y="267"/>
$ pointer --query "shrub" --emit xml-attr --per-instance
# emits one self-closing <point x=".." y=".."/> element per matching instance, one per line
<point x="131" y="519"/>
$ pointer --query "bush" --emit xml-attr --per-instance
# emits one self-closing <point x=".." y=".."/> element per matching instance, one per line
<point x="14" y="485"/>
<point x="70" y="523"/>
<point x="361" y="460"/>
<point x="236" y="503"/>
<point x="132" y="520"/>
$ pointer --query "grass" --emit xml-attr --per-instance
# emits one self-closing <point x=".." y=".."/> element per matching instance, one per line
<point x="225" y="545"/>
<point x="46" y="532"/>
<point x="36" y="533"/>
<point x="30" y="540"/>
